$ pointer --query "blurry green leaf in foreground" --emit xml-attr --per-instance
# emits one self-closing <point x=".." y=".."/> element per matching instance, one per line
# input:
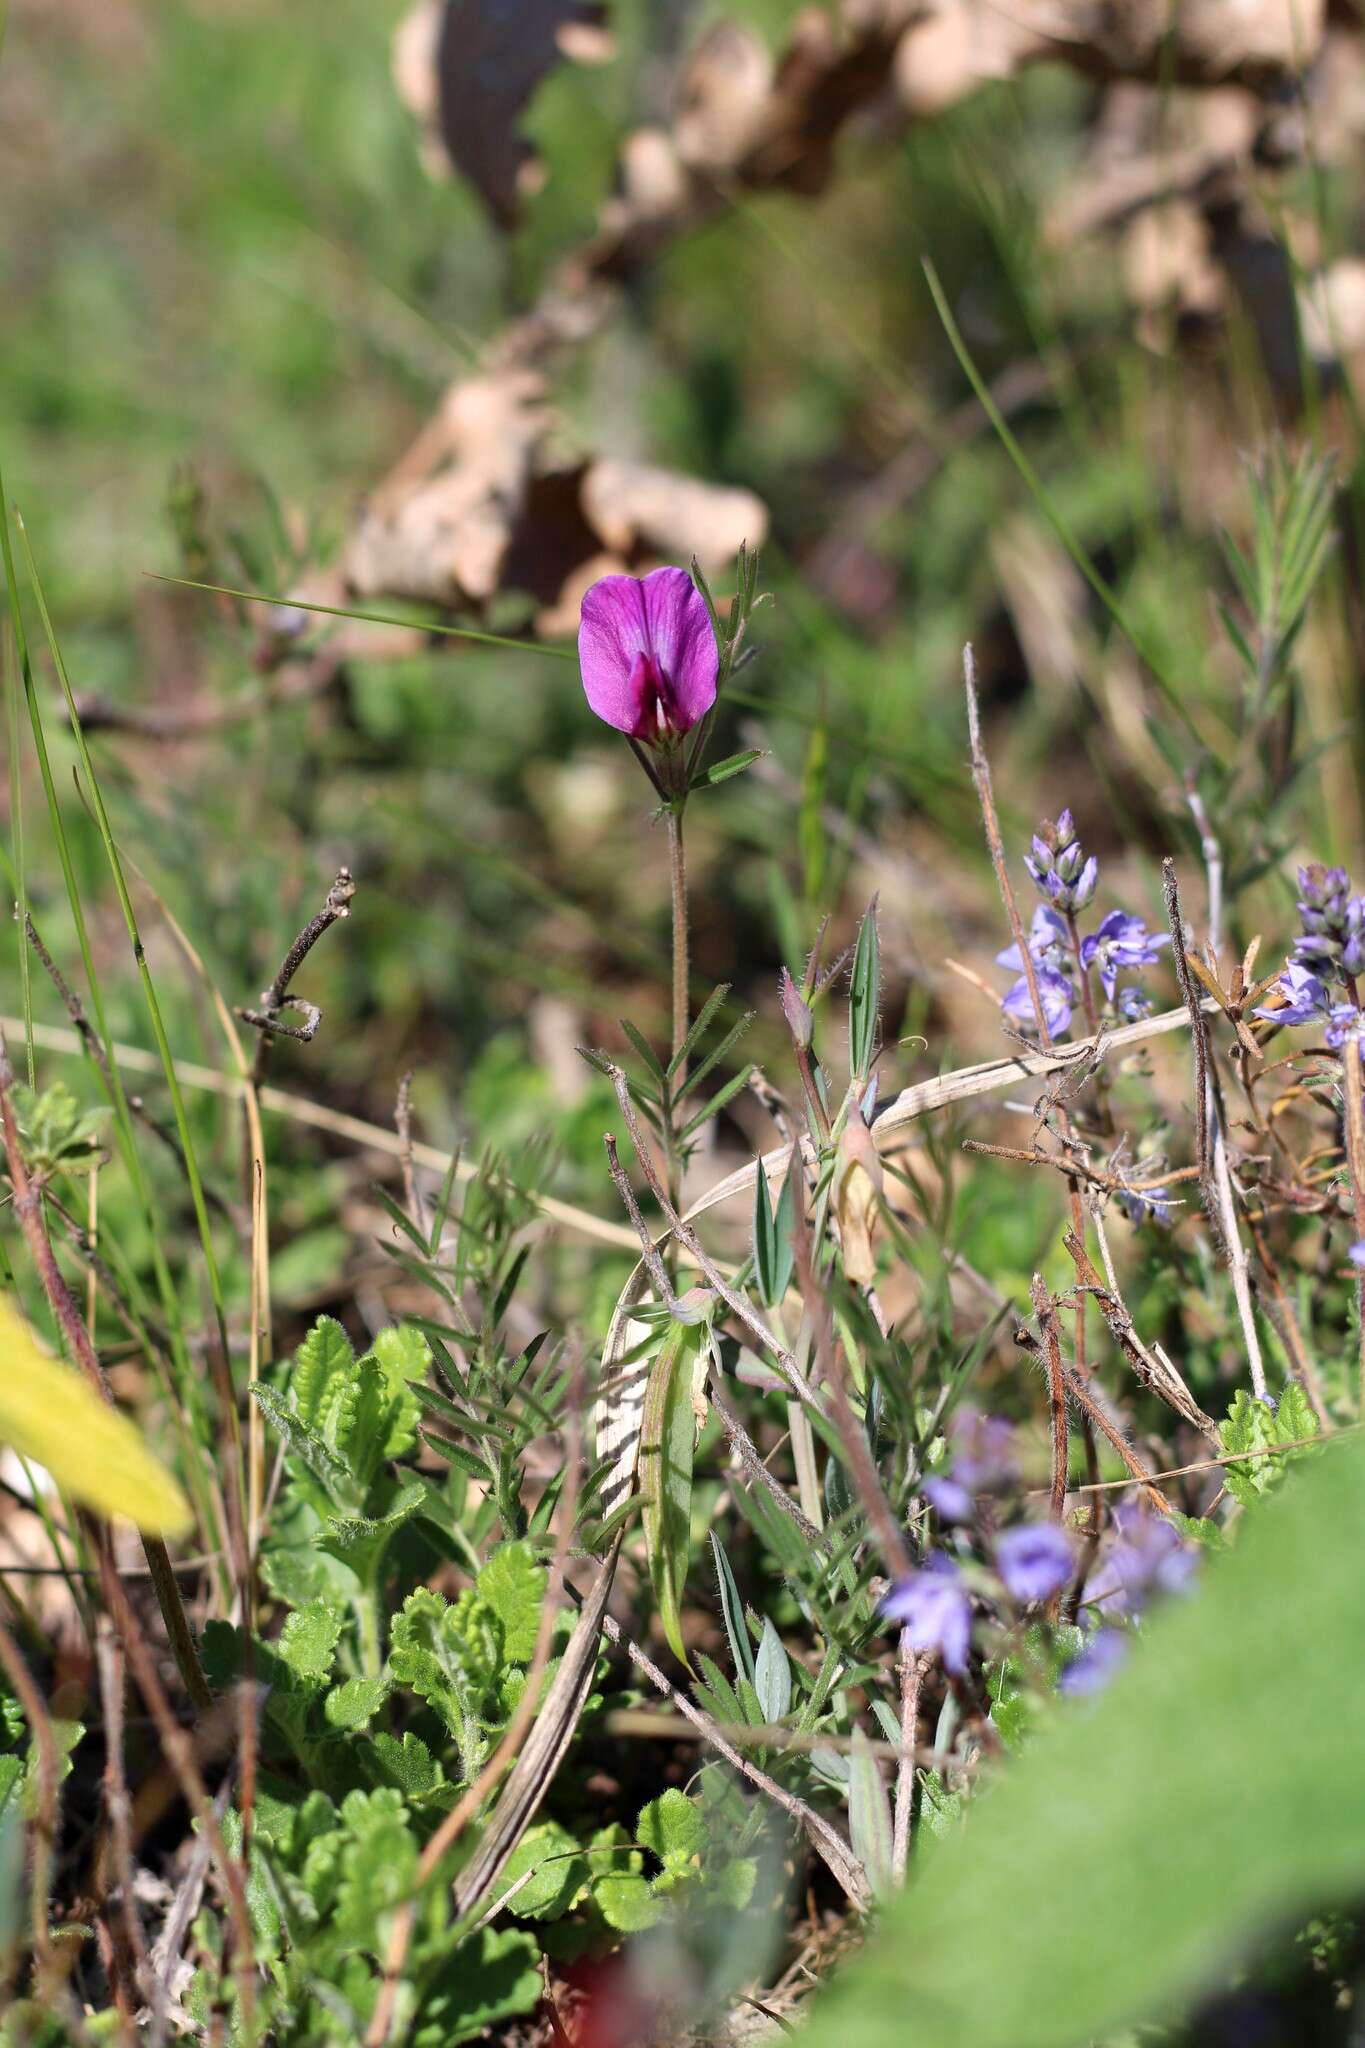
<point x="94" y="1453"/>
<point x="1150" y="1836"/>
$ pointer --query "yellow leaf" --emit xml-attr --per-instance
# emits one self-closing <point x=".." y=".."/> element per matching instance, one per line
<point x="94" y="1453"/>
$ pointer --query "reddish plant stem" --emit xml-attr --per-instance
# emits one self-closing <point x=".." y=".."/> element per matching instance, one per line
<point x="1046" y="1313"/>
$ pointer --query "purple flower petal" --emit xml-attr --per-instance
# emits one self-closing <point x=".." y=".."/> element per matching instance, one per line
<point x="1096" y="1665"/>
<point x="648" y="654"/>
<point x="983" y="1448"/>
<point x="1356" y="1254"/>
<point x="1303" y="997"/>
<point x="949" y="1499"/>
<point x="1034" y="1561"/>
<point x="932" y="1607"/>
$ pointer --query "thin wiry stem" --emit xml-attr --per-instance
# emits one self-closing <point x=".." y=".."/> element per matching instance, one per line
<point x="677" y="871"/>
<point x="911" y="1670"/>
<point x="1056" y="1393"/>
<point x="1211" y="1153"/>
<point x="117" y="1805"/>
<point x="985" y="793"/>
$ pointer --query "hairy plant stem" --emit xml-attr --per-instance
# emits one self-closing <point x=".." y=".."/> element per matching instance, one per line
<point x="677" y="867"/>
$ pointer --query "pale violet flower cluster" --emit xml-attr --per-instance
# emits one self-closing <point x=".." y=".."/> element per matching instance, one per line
<point x="1033" y="1562"/>
<point x="1066" y="877"/>
<point x="1318" y="984"/>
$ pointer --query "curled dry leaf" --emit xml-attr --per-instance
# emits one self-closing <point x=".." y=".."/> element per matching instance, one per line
<point x="485" y="501"/>
<point x="468" y="69"/>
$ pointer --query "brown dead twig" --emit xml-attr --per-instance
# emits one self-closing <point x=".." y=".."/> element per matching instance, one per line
<point x="277" y="998"/>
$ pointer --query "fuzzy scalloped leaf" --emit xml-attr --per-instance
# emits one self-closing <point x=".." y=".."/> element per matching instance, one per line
<point x="408" y="1762"/>
<point x="514" y="1586"/>
<point x="355" y="1703"/>
<point x="377" y="1869"/>
<point x="544" y="1874"/>
<point x="302" y="1441"/>
<point x="403" y="1355"/>
<point x="322" y="1366"/>
<point x="674" y="1828"/>
<point x="1251" y="1425"/>
<point x="308" y="1641"/>
<point x="450" y="1654"/>
<point x="493" y="1975"/>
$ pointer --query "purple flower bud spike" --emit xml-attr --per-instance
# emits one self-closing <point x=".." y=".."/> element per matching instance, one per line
<point x="648" y="654"/>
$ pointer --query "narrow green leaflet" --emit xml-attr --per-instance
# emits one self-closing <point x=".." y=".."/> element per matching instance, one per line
<point x="864" y="996"/>
<point x="667" y="1436"/>
<point x="1024" y="1931"/>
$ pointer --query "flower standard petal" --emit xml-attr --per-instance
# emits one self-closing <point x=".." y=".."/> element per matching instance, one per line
<point x="648" y="654"/>
<point x="612" y="636"/>
<point x="683" y="645"/>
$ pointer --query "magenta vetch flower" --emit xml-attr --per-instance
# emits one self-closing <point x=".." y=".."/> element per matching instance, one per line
<point x="932" y="1607"/>
<point x="648" y="654"/>
<point x="1034" y="1561"/>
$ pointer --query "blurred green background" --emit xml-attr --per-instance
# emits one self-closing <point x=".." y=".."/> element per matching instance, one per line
<point x="229" y="282"/>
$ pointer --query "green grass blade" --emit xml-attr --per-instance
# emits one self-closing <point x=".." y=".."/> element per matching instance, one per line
<point x="337" y="611"/>
<point x="135" y="939"/>
<point x="1047" y="505"/>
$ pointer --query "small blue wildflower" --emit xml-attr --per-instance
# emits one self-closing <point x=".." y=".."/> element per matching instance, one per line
<point x="983" y="1448"/>
<point x="1134" y="1003"/>
<point x="1121" y="943"/>
<point x="1048" y="942"/>
<point x="1054" y="992"/>
<point x="1356" y="1255"/>
<point x="1303" y="996"/>
<point x="1096" y="1665"/>
<point x="949" y="1499"/>
<point x="1150" y="1557"/>
<point x="1034" y="1561"/>
<point x="932" y="1607"/>
<point x="1141" y="1204"/>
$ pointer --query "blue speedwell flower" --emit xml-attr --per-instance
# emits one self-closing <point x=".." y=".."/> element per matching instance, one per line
<point x="1034" y="1561"/>
<point x="1122" y="943"/>
<point x="932" y="1607"/>
<point x="1097" y="1663"/>
<point x="1150" y="1557"/>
